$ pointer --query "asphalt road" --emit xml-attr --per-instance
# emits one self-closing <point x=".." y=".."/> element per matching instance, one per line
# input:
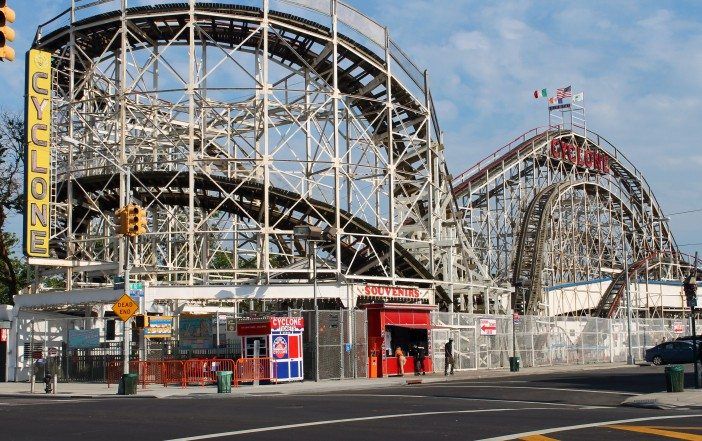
<point x="580" y="406"/>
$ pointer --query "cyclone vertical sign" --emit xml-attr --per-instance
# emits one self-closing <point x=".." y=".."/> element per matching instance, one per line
<point x="37" y="162"/>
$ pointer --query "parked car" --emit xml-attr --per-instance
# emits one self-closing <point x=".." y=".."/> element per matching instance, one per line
<point x="679" y="351"/>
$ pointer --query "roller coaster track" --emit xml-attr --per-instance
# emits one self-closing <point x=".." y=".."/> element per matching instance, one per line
<point x="475" y="189"/>
<point x="172" y="190"/>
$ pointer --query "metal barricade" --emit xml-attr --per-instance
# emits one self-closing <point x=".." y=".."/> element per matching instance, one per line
<point x="253" y="369"/>
<point x="173" y="373"/>
<point x="204" y="372"/>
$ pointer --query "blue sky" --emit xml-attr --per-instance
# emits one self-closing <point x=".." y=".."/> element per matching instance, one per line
<point x="638" y="62"/>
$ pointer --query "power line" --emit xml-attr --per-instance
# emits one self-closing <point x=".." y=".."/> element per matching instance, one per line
<point x="690" y="244"/>
<point x="684" y="212"/>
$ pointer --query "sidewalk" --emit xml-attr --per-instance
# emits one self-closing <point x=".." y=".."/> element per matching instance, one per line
<point x="688" y="399"/>
<point x="100" y="390"/>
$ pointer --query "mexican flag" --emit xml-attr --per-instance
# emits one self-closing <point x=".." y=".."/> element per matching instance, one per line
<point x="543" y="93"/>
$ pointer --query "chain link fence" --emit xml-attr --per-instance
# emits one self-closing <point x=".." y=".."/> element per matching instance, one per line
<point x="487" y="341"/>
<point x="479" y="342"/>
<point x="343" y="344"/>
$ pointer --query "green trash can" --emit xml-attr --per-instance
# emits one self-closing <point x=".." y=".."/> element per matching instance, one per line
<point x="224" y="382"/>
<point x="514" y="364"/>
<point x="675" y="378"/>
<point x="128" y="384"/>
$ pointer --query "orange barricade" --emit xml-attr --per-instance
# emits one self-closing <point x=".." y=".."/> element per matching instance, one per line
<point x="173" y="373"/>
<point x="177" y="372"/>
<point x="253" y="369"/>
<point x="205" y="371"/>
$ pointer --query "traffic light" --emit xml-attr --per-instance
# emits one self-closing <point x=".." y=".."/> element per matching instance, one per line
<point x="141" y="321"/>
<point x="140" y="224"/>
<point x="690" y="288"/>
<point x="7" y="15"/>
<point x="122" y="221"/>
<point x="131" y="220"/>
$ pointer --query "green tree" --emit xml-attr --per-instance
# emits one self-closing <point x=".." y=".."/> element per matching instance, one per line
<point x="13" y="271"/>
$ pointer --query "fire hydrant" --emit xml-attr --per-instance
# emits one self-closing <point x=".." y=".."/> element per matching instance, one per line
<point x="48" y="380"/>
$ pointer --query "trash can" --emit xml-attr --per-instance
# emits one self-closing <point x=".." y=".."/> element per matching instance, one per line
<point x="674" y="378"/>
<point x="128" y="384"/>
<point x="514" y="364"/>
<point x="224" y="382"/>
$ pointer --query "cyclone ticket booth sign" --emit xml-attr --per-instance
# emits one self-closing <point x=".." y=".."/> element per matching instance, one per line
<point x="277" y="338"/>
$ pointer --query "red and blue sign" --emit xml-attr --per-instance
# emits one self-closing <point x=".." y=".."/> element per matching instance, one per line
<point x="280" y="346"/>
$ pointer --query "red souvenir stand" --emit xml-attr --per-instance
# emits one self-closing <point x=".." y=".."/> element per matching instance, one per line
<point x="278" y="338"/>
<point x="397" y="324"/>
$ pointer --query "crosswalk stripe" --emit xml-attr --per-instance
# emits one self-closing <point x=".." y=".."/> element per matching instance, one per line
<point x="659" y="432"/>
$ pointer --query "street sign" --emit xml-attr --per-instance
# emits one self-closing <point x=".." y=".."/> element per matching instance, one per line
<point x="125" y="307"/>
<point x="488" y="326"/>
<point x="678" y="327"/>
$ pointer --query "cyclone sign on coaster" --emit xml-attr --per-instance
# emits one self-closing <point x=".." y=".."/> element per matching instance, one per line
<point x="579" y="155"/>
<point x="280" y="347"/>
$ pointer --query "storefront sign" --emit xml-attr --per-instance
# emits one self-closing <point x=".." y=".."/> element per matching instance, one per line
<point x="287" y="324"/>
<point x="392" y="292"/>
<point x="38" y="154"/>
<point x="488" y="327"/>
<point x="83" y="338"/>
<point x="579" y="155"/>
<point x="270" y="324"/>
<point x="4" y="333"/>
<point x="159" y="327"/>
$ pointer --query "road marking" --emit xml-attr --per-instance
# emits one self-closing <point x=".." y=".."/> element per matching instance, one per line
<point x="654" y="431"/>
<point x="346" y="420"/>
<point x="538" y="438"/>
<point x="677" y="427"/>
<point x="586" y="426"/>
<point x="475" y="386"/>
<point x="579" y="406"/>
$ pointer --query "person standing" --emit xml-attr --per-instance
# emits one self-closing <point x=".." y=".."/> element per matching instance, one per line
<point x="448" y="356"/>
<point x="401" y="359"/>
<point x="419" y="361"/>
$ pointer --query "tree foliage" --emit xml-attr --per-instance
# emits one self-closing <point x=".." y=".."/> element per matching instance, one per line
<point x="13" y="271"/>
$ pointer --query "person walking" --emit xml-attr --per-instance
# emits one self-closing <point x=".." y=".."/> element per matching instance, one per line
<point x="448" y="356"/>
<point x="401" y="359"/>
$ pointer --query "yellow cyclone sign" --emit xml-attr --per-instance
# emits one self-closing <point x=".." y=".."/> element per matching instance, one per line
<point x="37" y="163"/>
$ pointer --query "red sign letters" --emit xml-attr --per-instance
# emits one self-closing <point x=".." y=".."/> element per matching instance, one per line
<point x="578" y="155"/>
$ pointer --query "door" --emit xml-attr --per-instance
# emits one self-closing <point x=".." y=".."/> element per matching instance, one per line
<point x="683" y="352"/>
<point x="3" y="361"/>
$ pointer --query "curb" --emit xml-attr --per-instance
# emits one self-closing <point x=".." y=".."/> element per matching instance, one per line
<point x="336" y="385"/>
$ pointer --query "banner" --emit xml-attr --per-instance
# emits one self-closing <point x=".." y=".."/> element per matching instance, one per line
<point x="37" y="162"/>
<point x="159" y="327"/>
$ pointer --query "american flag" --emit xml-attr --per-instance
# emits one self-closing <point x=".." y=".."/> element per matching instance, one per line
<point x="566" y="92"/>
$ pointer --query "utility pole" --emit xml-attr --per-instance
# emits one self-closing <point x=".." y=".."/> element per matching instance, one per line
<point x="690" y="288"/>
<point x="127" y="268"/>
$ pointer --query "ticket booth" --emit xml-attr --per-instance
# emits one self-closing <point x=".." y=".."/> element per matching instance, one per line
<point x="277" y="338"/>
<point x="396" y="324"/>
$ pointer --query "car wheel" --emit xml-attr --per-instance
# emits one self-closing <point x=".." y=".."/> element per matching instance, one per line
<point x="657" y="360"/>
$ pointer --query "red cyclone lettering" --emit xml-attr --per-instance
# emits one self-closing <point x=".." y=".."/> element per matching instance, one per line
<point x="556" y="149"/>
